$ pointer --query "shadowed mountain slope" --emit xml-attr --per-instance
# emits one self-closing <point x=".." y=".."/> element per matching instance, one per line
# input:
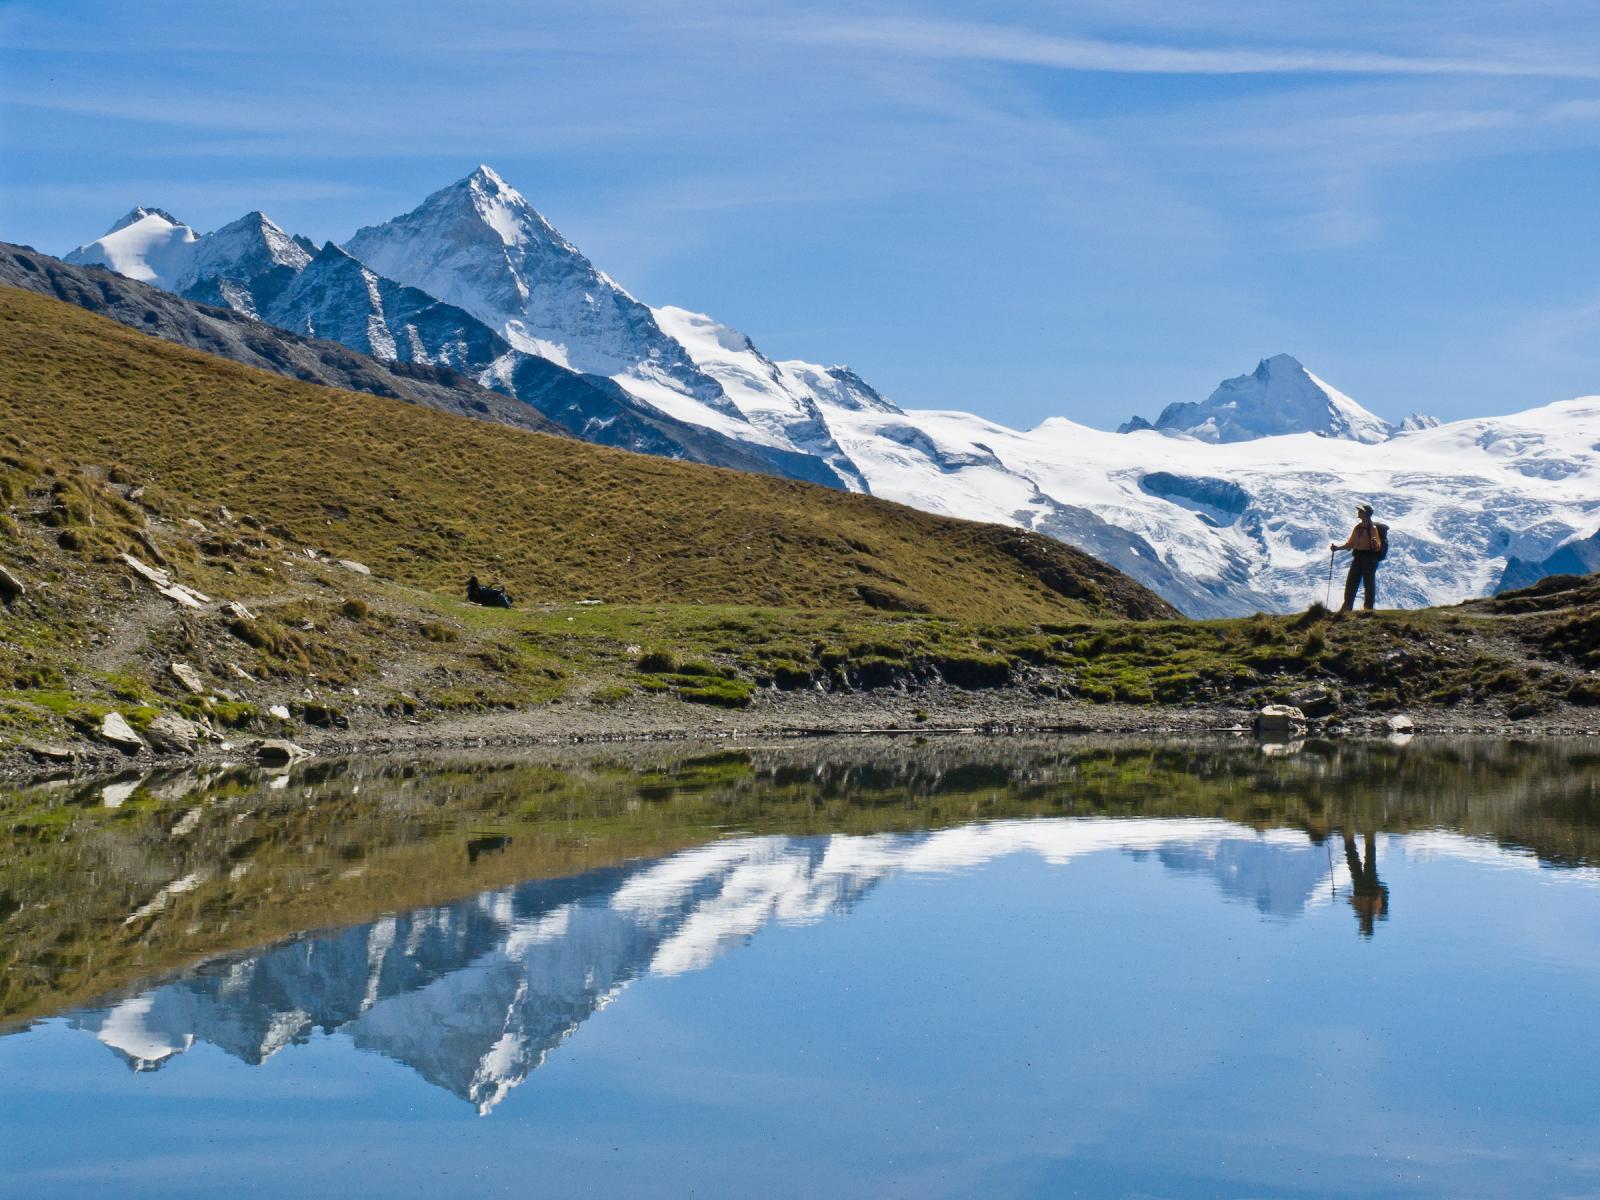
<point x="548" y="397"/>
<point x="235" y="336"/>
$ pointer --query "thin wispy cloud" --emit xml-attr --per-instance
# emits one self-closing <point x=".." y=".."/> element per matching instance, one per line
<point x="1023" y="47"/>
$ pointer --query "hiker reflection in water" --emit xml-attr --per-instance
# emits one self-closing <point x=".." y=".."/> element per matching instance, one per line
<point x="1368" y="897"/>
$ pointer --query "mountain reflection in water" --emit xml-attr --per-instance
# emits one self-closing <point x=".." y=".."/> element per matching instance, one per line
<point x="474" y="995"/>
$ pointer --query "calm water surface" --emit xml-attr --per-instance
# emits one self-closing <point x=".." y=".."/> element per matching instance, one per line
<point x="1027" y="969"/>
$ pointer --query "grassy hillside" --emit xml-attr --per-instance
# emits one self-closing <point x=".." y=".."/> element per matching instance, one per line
<point x="427" y="498"/>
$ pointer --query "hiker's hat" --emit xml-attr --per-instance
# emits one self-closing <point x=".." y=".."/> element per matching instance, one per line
<point x="1364" y="509"/>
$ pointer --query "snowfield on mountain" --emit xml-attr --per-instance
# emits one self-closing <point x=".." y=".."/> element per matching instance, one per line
<point x="1223" y="507"/>
<point x="1259" y="515"/>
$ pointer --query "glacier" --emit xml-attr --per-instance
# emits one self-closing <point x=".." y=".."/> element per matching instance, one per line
<point x="1223" y="507"/>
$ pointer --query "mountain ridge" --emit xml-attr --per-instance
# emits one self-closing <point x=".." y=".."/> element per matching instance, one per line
<point x="1465" y="501"/>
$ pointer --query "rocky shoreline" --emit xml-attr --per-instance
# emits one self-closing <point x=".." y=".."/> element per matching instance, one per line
<point x="929" y="712"/>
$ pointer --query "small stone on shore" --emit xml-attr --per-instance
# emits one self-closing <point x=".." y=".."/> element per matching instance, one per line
<point x="47" y="752"/>
<point x="188" y="676"/>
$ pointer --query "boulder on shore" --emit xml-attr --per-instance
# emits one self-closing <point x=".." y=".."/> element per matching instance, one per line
<point x="1280" y="718"/>
<point x="114" y="728"/>
<point x="173" y="735"/>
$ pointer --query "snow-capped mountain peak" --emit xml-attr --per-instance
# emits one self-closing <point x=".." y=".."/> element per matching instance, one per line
<point x="507" y="212"/>
<point x="244" y="248"/>
<point x="1417" y="422"/>
<point x="139" y="213"/>
<point x="1280" y="396"/>
<point x="480" y="245"/>
<point x="152" y="246"/>
<point x="148" y="244"/>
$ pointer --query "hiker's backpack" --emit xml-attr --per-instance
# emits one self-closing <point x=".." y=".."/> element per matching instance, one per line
<point x="1383" y="541"/>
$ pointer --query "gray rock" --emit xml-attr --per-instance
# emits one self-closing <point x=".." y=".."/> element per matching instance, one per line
<point x="189" y="677"/>
<point x="349" y="564"/>
<point x="187" y="597"/>
<point x="1316" y="701"/>
<point x="277" y="752"/>
<point x="1280" y="718"/>
<point x="173" y="735"/>
<point x="46" y="752"/>
<point x="280" y="711"/>
<point x="1400" y="723"/>
<point x="115" y="729"/>
<point x="151" y="575"/>
<point x="11" y="588"/>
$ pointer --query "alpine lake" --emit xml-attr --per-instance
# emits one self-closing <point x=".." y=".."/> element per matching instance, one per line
<point x="838" y="968"/>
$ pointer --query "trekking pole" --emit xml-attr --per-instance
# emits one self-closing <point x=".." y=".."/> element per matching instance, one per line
<point x="1331" y="556"/>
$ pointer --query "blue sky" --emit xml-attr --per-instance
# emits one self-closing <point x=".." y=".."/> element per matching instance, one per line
<point x="1021" y="209"/>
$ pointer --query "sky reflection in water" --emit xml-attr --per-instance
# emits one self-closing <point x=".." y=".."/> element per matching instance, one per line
<point x="1052" y="1006"/>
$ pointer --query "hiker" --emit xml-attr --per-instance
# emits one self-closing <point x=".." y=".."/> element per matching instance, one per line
<point x="1368" y="896"/>
<point x="1367" y="548"/>
<point x="493" y="596"/>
